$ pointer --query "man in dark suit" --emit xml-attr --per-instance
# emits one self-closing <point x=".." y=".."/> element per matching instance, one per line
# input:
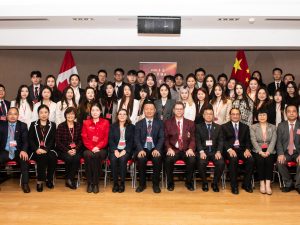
<point x="278" y="83"/>
<point x="131" y="79"/>
<point x="209" y="140"/>
<point x="4" y="104"/>
<point x="35" y="89"/>
<point x="141" y="76"/>
<point x="119" y="82"/>
<point x="102" y="76"/>
<point x="14" y="144"/>
<point x="288" y="148"/>
<point x="180" y="145"/>
<point x="149" y="141"/>
<point x="237" y="147"/>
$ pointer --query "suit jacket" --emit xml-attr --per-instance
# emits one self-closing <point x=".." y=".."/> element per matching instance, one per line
<point x="257" y="138"/>
<point x="229" y="136"/>
<point x="31" y="93"/>
<point x="21" y="136"/>
<point x="114" y="137"/>
<point x="171" y="134"/>
<point x="221" y="111"/>
<point x="157" y="134"/>
<point x="272" y="88"/>
<point x="35" y="136"/>
<point x="168" y="110"/>
<point x="7" y="104"/>
<point x="120" y="90"/>
<point x="64" y="139"/>
<point x="202" y="136"/>
<point x="114" y="111"/>
<point x="283" y="137"/>
<point x="137" y="90"/>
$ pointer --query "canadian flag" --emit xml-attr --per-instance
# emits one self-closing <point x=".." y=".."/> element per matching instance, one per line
<point x="67" y="68"/>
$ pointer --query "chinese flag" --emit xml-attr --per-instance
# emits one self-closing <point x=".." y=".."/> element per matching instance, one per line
<point x="67" y="68"/>
<point x="240" y="70"/>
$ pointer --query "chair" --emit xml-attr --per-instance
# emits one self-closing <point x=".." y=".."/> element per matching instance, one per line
<point x="61" y="168"/>
<point x="291" y="166"/>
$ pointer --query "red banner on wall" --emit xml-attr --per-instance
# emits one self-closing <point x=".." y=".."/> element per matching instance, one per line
<point x="160" y="69"/>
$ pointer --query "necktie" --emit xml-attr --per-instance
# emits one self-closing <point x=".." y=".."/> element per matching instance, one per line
<point x="236" y="131"/>
<point x="291" y="142"/>
<point x="117" y="89"/>
<point x="180" y="141"/>
<point x="11" y="153"/>
<point x="3" y="110"/>
<point x="149" y="129"/>
<point x="209" y="134"/>
<point x="36" y="93"/>
<point x="277" y="86"/>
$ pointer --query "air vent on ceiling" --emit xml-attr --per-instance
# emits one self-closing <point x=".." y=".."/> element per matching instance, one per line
<point x="283" y="19"/>
<point x="23" y="19"/>
<point x="229" y="19"/>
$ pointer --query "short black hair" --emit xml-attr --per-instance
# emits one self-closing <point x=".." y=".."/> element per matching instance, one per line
<point x="291" y="105"/>
<point x="169" y="77"/>
<point x="2" y="86"/>
<point x="132" y="72"/>
<point x="289" y="74"/>
<point x="148" y="102"/>
<point x="43" y="107"/>
<point x="222" y="75"/>
<point x="208" y="107"/>
<point x="92" y="77"/>
<point x="36" y="72"/>
<point x="69" y="110"/>
<point x="141" y="71"/>
<point x="119" y="70"/>
<point x="277" y="69"/>
<point x="200" y="70"/>
<point x="102" y="71"/>
<point x="178" y="75"/>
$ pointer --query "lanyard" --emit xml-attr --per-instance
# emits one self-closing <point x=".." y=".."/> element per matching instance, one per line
<point x="72" y="131"/>
<point x="43" y="132"/>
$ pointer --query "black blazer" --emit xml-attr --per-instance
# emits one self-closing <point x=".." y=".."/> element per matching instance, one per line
<point x="114" y="137"/>
<point x="202" y="136"/>
<point x="229" y="136"/>
<point x="56" y="96"/>
<point x="35" y="135"/>
<point x="137" y="90"/>
<point x="272" y="88"/>
<point x="31" y="93"/>
<point x="272" y="113"/>
<point x="21" y="136"/>
<point x="157" y="134"/>
<point x="120" y="90"/>
<point x="7" y="103"/>
<point x="81" y="92"/>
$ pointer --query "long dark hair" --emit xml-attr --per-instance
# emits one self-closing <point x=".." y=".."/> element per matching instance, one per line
<point x="296" y="94"/>
<point x="257" y="101"/>
<point x="83" y="107"/>
<point x="223" y="96"/>
<point x="131" y="100"/>
<point x="51" y="93"/>
<point x="154" y="87"/>
<point x="168" y="88"/>
<point x="105" y="99"/>
<point x="205" y="79"/>
<point x="64" y="98"/>
<point x="127" y="122"/>
<point x="206" y="99"/>
<point x="244" y="95"/>
<point x="55" y="86"/>
<point x="19" y="98"/>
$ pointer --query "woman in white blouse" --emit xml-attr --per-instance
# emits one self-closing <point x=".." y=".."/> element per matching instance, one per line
<point x="128" y="103"/>
<point x="68" y="100"/>
<point x="190" y="106"/>
<point x="74" y="81"/>
<point x="221" y="105"/>
<point x="24" y="104"/>
<point x="46" y="100"/>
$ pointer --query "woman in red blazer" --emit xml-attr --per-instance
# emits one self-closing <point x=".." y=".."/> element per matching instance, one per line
<point x="95" y="139"/>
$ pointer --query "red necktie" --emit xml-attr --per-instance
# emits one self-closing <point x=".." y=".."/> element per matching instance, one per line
<point x="180" y="142"/>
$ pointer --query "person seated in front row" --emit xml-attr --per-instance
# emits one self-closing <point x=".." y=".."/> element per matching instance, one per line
<point x="209" y="140"/>
<point x="14" y="144"/>
<point x="288" y="148"/>
<point x="121" y="140"/>
<point x="149" y="141"/>
<point x="237" y="145"/>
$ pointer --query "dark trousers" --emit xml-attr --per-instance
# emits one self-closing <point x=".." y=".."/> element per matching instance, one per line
<point x="119" y="167"/>
<point x="285" y="173"/>
<point x="233" y="169"/>
<point x="264" y="166"/>
<point x="23" y="164"/>
<point x="93" y="165"/>
<point x="142" y="165"/>
<point x="190" y="165"/>
<point x="202" y="166"/>
<point x="46" y="164"/>
<point x="72" y="164"/>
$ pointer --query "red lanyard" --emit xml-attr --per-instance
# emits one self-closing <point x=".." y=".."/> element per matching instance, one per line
<point x="43" y="132"/>
<point x="108" y="107"/>
<point x="72" y="131"/>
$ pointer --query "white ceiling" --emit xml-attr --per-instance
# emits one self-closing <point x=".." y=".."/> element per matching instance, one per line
<point x="216" y="24"/>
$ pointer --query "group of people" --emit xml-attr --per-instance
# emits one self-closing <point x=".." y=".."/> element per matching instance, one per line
<point x="205" y="120"/>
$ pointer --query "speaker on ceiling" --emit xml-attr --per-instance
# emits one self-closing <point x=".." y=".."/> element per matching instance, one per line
<point x="159" y="24"/>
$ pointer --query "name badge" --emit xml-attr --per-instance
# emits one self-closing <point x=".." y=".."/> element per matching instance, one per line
<point x="3" y="118"/>
<point x="149" y="139"/>
<point x="188" y="135"/>
<point x="95" y="138"/>
<point x="236" y="143"/>
<point x="298" y="131"/>
<point x="42" y="144"/>
<point x="122" y="144"/>
<point x="108" y="116"/>
<point x="209" y="143"/>
<point x="264" y="145"/>
<point x="72" y="145"/>
<point x="13" y="143"/>
<point x="161" y="117"/>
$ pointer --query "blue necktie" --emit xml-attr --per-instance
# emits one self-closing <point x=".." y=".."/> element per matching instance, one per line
<point x="209" y="133"/>
<point x="149" y="129"/>
<point x="11" y="153"/>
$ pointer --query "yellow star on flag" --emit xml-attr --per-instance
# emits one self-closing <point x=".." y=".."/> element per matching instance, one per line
<point x="237" y="65"/>
<point x="247" y="70"/>
<point x="247" y="80"/>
